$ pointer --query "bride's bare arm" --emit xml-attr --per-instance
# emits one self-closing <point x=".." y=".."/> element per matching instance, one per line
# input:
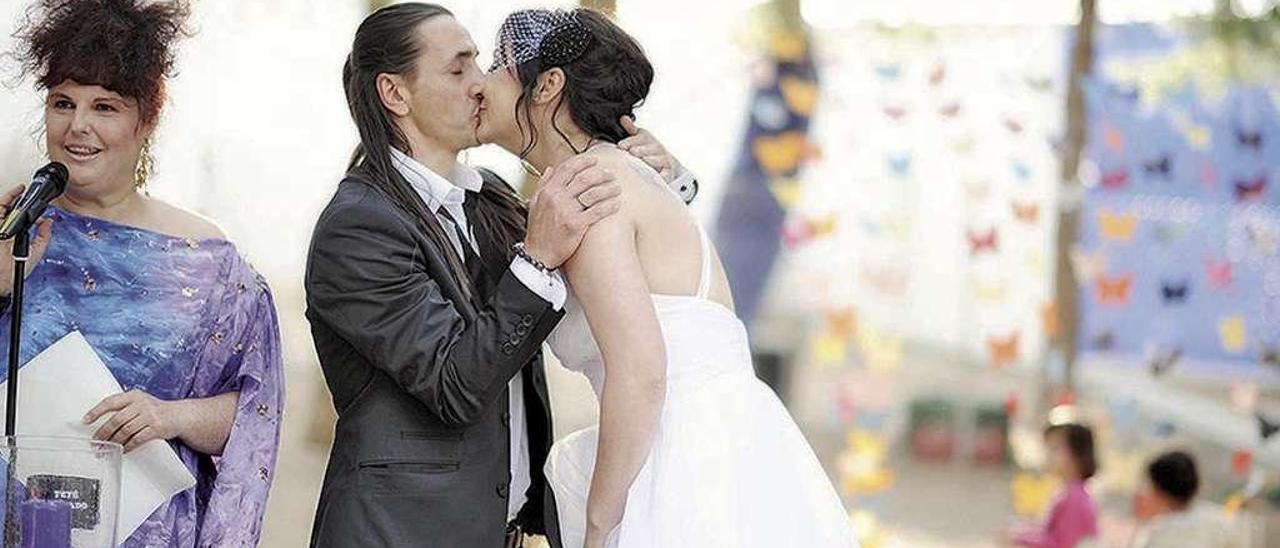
<point x="608" y="280"/>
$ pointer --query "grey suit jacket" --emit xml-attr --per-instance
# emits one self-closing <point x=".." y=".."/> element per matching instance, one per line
<point x="419" y="376"/>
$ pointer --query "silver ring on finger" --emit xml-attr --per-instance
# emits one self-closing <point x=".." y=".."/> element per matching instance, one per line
<point x="582" y="203"/>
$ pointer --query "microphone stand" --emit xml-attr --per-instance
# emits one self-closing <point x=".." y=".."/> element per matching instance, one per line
<point x="21" y="251"/>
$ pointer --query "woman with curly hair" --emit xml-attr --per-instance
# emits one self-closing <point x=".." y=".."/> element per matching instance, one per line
<point x="183" y="322"/>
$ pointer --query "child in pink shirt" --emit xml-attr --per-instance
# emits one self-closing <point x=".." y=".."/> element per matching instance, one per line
<point x="1074" y="516"/>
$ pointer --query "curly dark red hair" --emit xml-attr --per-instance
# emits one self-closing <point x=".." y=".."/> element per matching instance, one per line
<point x="125" y="46"/>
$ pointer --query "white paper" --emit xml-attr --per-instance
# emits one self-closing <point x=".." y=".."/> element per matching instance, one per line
<point x="56" y="389"/>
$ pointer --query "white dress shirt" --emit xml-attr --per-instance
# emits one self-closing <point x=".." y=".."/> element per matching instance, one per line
<point x="450" y="193"/>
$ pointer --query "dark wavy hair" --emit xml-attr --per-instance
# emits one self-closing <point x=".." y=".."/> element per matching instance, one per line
<point x="126" y="46"/>
<point x="610" y="78"/>
<point x="1079" y="440"/>
<point x="387" y="42"/>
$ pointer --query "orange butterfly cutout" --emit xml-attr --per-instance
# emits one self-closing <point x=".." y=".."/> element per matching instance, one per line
<point x="1117" y="227"/>
<point x="1113" y="138"/>
<point x="1003" y="351"/>
<point x="1026" y="212"/>
<point x="800" y="95"/>
<point x="1114" y="291"/>
<point x="782" y="152"/>
<point x="843" y="321"/>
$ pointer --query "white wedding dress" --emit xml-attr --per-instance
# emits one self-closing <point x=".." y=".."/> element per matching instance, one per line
<point x="728" y="466"/>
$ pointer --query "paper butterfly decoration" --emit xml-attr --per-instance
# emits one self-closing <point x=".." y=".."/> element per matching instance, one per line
<point x="1160" y="167"/>
<point x="1027" y="213"/>
<point x="1270" y="356"/>
<point x="1232" y="332"/>
<point x="1219" y="274"/>
<point x="1002" y="351"/>
<point x="1170" y="231"/>
<point x="801" y="95"/>
<point x="1117" y="227"/>
<point x="1014" y="126"/>
<point x="990" y="291"/>
<point x="900" y="163"/>
<point x="950" y="110"/>
<point x="1261" y="238"/>
<point x="1041" y="84"/>
<point x="1113" y="138"/>
<point x="895" y="113"/>
<point x="1252" y="188"/>
<point x="1104" y="341"/>
<point x="843" y="321"/>
<point x="938" y="74"/>
<point x="1267" y="428"/>
<point x="1088" y="265"/>
<point x="889" y="72"/>
<point x="1249" y="139"/>
<point x="780" y="153"/>
<point x="978" y="191"/>
<point x="1241" y="462"/>
<point x="885" y="280"/>
<point x="1115" y="180"/>
<point x="983" y="242"/>
<point x="882" y="352"/>
<point x="1175" y="292"/>
<point x="786" y="191"/>
<point x="1162" y="361"/>
<point x="1032" y="494"/>
<point x="1114" y="291"/>
<point x="1021" y="170"/>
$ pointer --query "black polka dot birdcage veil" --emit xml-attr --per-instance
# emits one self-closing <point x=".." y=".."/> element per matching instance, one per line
<point x="554" y="37"/>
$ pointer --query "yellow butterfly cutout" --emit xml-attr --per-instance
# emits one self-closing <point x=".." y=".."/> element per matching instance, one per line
<point x="781" y="152"/>
<point x="867" y="528"/>
<point x="1198" y="136"/>
<point x="862" y="442"/>
<point x="1231" y="332"/>
<point x="786" y="191"/>
<point x="990" y="292"/>
<point x="1032" y="494"/>
<point x="788" y="46"/>
<point x="827" y="348"/>
<point x="1035" y="260"/>
<point x="800" y="95"/>
<point x="1117" y="227"/>
<point x="882" y="352"/>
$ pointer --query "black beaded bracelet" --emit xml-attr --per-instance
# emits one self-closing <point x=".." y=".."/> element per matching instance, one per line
<point x="528" y="258"/>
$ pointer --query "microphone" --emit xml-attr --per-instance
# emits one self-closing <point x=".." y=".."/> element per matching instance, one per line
<point x="47" y="184"/>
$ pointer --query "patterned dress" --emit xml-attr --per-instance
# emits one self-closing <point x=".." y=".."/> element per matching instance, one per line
<point x="177" y="318"/>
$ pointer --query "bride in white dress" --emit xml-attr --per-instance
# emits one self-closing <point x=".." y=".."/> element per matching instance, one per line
<point x="691" y="449"/>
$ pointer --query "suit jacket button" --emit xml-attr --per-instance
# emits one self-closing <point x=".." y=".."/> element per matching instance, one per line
<point x="522" y="330"/>
<point x="503" y="489"/>
<point x="506" y="418"/>
<point x="526" y="320"/>
<point x="515" y="339"/>
<point x="508" y="348"/>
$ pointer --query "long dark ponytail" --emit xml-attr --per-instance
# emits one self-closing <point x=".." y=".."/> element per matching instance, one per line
<point x="387" y="42"/>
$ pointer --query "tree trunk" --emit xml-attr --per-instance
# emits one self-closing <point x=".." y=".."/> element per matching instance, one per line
<point x="1071" y="194"/>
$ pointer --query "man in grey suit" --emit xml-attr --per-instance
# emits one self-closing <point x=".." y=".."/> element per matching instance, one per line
<point x="429" y="301"/>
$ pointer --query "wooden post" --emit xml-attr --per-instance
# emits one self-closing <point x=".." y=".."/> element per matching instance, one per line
<point x="1065" y="286"/>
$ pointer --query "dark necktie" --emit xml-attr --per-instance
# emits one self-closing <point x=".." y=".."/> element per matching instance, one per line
<point x="469" y="258"/>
